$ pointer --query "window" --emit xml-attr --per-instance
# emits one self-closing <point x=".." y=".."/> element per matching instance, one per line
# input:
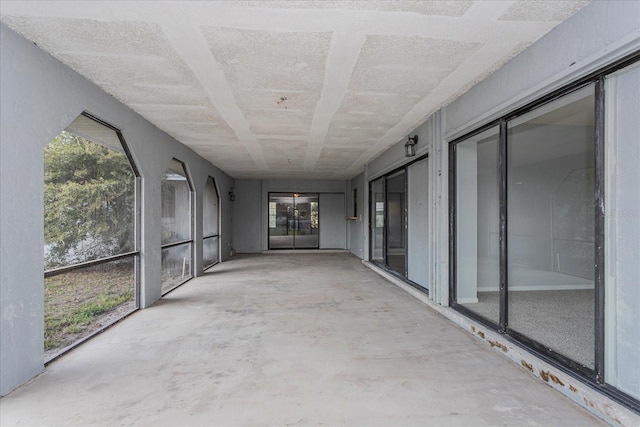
<point x="546" y="213"/>
<point x="177" y="241"/>
<point x="355" y="203"/>
<point x="293" y="220"/>
<point x="399" y="222"/>
<point x="210" y="251"/>
<point x="90" y="237"/>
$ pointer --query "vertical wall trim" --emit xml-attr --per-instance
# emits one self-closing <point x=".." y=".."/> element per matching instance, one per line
<point x="452" y="224"/>
<point x="502" y="189"/>
<point x="599" y="229"/>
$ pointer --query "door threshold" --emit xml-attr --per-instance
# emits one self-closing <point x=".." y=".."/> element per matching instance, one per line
<point x="303" y="251"/>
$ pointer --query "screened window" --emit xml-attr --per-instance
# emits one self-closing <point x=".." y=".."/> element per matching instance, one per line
<point x="210" y="242"/>
<point x="177" y="242"/>
<point x="90" y="249"/>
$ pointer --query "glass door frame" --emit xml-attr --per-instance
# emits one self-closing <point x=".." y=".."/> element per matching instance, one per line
<point x="372" y="218"/>
<point x="294" y="196"/>
<point x="595" y="376"/>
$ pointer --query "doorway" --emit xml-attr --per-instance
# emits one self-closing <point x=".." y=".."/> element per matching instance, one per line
<point x="293" y="220"/>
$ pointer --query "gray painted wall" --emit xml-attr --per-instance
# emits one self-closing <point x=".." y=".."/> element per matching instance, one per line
<point x="333" y="225"/>
<point x="247" y="211"/>
<point x="250" y="231"/>
<point x="40" y="97"/>
<point x="418" y="223"/>
<point x="598" y="34"/>
<point x="356" y="227"/>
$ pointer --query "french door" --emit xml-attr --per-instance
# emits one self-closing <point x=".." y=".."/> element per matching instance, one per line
<point x="293" y="220"/>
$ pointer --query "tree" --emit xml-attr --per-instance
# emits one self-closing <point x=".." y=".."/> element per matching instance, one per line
<point x="89" y="201"/>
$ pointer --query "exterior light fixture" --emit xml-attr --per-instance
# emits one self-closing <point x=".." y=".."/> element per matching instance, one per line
<point x="410" y="146"/>
<point x="232" y="195"/>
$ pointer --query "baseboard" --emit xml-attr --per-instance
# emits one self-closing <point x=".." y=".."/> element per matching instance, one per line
<point x="467" y="300"/>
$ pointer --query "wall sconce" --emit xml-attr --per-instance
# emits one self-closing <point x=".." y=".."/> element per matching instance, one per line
<point x="232" y="195"/>
<point x="410" y="146"/>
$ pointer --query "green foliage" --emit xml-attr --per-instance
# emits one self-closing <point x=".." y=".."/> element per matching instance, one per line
<point x="89" y="201"/>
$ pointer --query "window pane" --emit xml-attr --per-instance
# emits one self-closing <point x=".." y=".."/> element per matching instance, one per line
<point x="622" y="231"/>
<point x="83" y="301"/>
<point x="176" y="266"/>
<point x="210" y="251"/>
<point x="210" y="208"/>
<point x="377" y="222"/>
<point x="281" y="221"/>
<point x="89" y="197"/>
<point x="477" y="222"/>
<point x="305" y="213"/>
<point x="396" y="222"/>
<point x="550" y="197"/>
<point x="176" y="204"/>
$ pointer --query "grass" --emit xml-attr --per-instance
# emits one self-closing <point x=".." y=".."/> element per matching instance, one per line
<point x="80" y="302"/>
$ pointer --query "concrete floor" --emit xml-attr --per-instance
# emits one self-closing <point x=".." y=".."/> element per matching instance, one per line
<point x="285" y="340"/>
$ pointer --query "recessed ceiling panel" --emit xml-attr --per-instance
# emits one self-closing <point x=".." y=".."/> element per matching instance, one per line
<point x="276" y="77"/>
<point x="542" y="10"/>
<point x="288" y="155"/>
<point x="406" y="65"/>
<point x="333" y="158"/>
<point x="428" y="7"/>
<point x="286" y="88"/>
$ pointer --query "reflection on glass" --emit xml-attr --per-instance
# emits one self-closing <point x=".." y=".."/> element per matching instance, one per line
<point x="550" y="193"/>
<point x="210" y="251"/>
<point x="477" y="221"/>
<point x="396" y="222"/>
<point x="81" y="302"/>
<point x="176" y="266"/>
<point x="377" y="224"/>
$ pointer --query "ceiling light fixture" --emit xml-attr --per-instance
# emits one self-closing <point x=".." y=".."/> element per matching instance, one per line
<point x="410" y="146"/>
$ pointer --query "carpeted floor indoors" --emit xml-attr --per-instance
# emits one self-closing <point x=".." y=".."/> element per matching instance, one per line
<point x="562" y="320"/>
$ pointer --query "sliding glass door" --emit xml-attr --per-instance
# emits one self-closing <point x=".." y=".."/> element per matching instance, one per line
<point x="388" y="228"/>
<point x="293" y="220"/>
<point x="377" y="221"/>
<point x="397" y="222"/>
<point x="544" y="209"/>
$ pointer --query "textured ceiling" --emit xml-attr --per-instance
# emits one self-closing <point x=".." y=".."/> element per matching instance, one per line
<point x="357" y="76"/>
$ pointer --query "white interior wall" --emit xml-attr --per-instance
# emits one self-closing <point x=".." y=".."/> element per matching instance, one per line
<point x="622" y="228"/>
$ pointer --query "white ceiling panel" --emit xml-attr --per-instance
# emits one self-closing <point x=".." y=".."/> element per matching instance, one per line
<point x="297" y="89"/>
